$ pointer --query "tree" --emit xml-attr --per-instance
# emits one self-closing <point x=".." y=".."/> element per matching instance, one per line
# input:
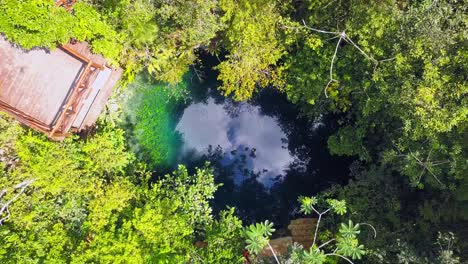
<point x="161" y="36"/>
<point x="396" y="84"/>
<point x="407" y="219"/>
<point x="91" y="201"/>
<point x="253" y="47"/>
<point x="346" y="243"/>
<point x="39" y="23"/>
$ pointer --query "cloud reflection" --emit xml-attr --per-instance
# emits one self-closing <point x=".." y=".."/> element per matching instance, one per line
<point x="205" y="124"/>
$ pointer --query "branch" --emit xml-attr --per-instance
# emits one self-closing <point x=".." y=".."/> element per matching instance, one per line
<point x="315" y="210"/>
<point x="348" y="39"/>
<point x="316" y="228"/>
<point x="420" y="175"/>
<point x="5" y="208"/>
<point x="328" y="84"/>
<point x="326" y="243"/>
<point x="373" y="228"/>
<point x="331" y="65"/>
<point x="439" y="162"/>
<point x="425" y="166"/>
<point x="433" y="175"/>
<point x="318" y="30"/>
<point x="334" y="56"/>
<point x="341" y="36"/>
<point x="272" y="251"/>
<point x="338" y="255"/>
<point x="318" y="223"/>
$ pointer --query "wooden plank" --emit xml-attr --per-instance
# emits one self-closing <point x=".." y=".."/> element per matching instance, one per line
<point x="94" y="90"/>
<point x="36" y="85"/>
<point x="101" y="100"/>
<point x="78" y="102"/>
<point x="5" y="88"/>
<point x="61" y="118"/>
<point x="67" y="4"/>
<point x="24" y="118"/>
<point x="81" y="57"/>
<point x="84" y="49"/>
<point x="37" y="81"/>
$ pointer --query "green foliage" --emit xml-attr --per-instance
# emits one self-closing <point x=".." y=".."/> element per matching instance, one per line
<point x="406" y="94"/>
<point x="91" y="202"/>
<point x="164" y="218"/>
<point x="406" y="227"/>
<point x="8" y="139"/>
<point x="39" y="23"/>
<point x="149" y="117"/>
<point x="223" y="241"/>
<point x="446" y="254"/>
<point x="337" y="206"/>
<point x="347" y="244"/>
<point x="307" y="204"/>
<point x="313" y="256"/>
<point x="161" y="36"/>
<point x="349" y="230"/>
<point x="405" y="110"/>
<point x="346" y="241"/>
<point x="45" y="222"/>
<point x="253" y="47"/>
<point x="193" y="191"/>
<point x="257" y="236"/>
<point x="105" y="149"/>
<point x="348" y="141"/>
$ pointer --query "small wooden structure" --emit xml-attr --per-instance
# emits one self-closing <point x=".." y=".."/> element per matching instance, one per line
<point x="55" y="92"/>
<point x="67" y="4"/>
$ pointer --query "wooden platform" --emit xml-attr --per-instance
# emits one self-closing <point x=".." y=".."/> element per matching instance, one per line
<point x="56" y="91"/>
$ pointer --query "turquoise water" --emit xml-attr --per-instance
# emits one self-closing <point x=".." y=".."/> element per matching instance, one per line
<point x="149" y="121"/>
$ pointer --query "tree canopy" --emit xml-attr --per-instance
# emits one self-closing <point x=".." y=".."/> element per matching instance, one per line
<point x="90" y="201"/>
<point x="392" y="73"/>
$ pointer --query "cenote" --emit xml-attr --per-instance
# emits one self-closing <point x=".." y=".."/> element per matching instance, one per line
<point x="264" y="153"/>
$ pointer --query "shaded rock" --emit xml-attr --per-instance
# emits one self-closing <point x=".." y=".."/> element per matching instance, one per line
<point x="279" y="245"/>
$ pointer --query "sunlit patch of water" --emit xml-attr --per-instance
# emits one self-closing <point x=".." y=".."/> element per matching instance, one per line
<point x="248" y="135"/>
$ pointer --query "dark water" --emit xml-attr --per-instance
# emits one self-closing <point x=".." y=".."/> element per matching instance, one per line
<point x="264" y="153"/>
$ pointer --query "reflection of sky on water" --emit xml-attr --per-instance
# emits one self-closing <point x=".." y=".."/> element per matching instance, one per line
<point x="248" y="135"/>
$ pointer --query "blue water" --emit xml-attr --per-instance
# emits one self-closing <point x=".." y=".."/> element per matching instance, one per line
<point x="264" y="152"/>
<point x="246" y="135"/>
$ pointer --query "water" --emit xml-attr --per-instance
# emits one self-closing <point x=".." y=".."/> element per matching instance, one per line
<point x="264" y="153"/>
<point x="246" y="135"/>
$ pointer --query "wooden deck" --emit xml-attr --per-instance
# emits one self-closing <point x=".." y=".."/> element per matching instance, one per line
<point x="56" y="91"/>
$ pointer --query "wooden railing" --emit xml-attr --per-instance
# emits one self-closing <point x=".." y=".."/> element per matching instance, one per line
<point x="73" y="105"/>
<point x="79" y="92"/>
<point x="25" y="118"/>
<point x="81" y="57"/>
<point x="70" y="109"/>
